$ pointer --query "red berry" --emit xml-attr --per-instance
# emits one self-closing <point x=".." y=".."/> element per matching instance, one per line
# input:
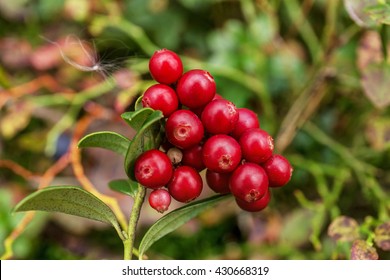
<point x="219" y="116"/>
<point x="195" y="88"/>
<point x="279" y="171"/>
<point x="257" y="205"/>
<point x="153" y="169"/>
<point x="218" y="182"/>
<point x="257" y="145"/>
<point x="198" y="111"/>
<point x="161" y="97"/>
<point x="249" y="182"/>
<point x="184" y="129"/>
<point x="165" y="66"/>
<point x="247" y="119"/>
<point x="186" y="184"/>
<point x="160" y="200"/>
<point x="221" y="153"/>
<point x="193" y="157"/>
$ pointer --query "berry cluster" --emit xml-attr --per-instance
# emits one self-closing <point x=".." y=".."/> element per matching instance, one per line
<point x="205" y="131"/>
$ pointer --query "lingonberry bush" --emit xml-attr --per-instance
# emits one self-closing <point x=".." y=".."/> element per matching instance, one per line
<point x="182" y="129"/>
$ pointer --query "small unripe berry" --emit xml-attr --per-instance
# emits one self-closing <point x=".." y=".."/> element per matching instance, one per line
<point x="249" y="182"/>
<point x="160" y="200"/>
<point x="279" y="171"/>
<point x="153" y="169"/>
<point x="186" y="184"/>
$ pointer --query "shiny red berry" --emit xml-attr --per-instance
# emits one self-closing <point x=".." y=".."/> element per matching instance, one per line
<point x="221" y="153"/>
<point x="219" y="116"/>
<point x="218" y="182"/>
<point x="279" y="171"/>
<point x="257" y="145"/>
<point x="247" y="119"/>
<point x="249" y="182"/>
<point x="165" y="66"/>
<point x="153" y="169"/>
<point x="196" y="88"/>
<point x="186" y="184"/>
<point x="160" y="200"/>
<point x="184" y="129"/>
<point x="161" y="97"/>
<point x="193" y="157"/>
<point x="257" y="205"/>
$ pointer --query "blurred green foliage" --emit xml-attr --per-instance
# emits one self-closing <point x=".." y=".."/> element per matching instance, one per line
<point x="316" y="72"/>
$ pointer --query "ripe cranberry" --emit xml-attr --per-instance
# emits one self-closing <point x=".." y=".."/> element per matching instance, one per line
<point x="219" y="116"/>
<point x="184" y="129"/>
<point x="186" y="184"/>
<point x="218" y="182"/>
<point x="153" y="169"/>
<point x="221" y="153"/>
<point x="247" y="119"/>
<point x="193" y="157"/>
<point x="256" y="145"/>
<point x="257" y="205"/>
<point x="160" y="200"/>
<point x="198" y="111"/>
<point x="279" y="171"/>
<point x="161" y="97"/>
<point x="165" y="66"/>
<point x="195" y="88"/>
<point x="249" y="182"/>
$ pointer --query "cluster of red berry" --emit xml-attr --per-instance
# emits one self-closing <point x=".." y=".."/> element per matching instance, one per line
<point x="204" y="130"/>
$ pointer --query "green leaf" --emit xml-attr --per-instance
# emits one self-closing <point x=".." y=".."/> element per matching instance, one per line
<point x="145" y="139"/>
<point x="138" y="103"/>
<point x="125" y="186"/>
<point x="175" y="219"/>
<point x="136" y="119"/>
<point x="107" y="140"/>
<point x="70" y="200"/>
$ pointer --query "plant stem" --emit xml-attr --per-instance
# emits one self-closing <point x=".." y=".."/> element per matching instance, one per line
<point x="383" y="34"/>
<point x="134" y="217"/>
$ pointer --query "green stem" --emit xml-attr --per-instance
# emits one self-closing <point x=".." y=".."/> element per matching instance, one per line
<point x="134" y="217"/>
<point x="384" y="40"/>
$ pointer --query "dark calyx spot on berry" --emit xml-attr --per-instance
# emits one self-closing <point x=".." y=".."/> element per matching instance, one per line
<point x="182" y="132"/>
<point x="146" y="172"/>
<point x="252" y="196"/>
<point x="225" y="162"/>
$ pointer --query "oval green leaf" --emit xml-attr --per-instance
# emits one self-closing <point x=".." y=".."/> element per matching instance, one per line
<point x="145" y="139"/>
<point x="175" y="219"/>
<point x="136" y="119"/>
<point x="107" y="140"/>
<point x="125" y="186"/>
<point x="70" y="200"/>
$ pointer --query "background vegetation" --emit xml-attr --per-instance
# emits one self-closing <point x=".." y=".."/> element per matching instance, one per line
<point x="316" y="72"/>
